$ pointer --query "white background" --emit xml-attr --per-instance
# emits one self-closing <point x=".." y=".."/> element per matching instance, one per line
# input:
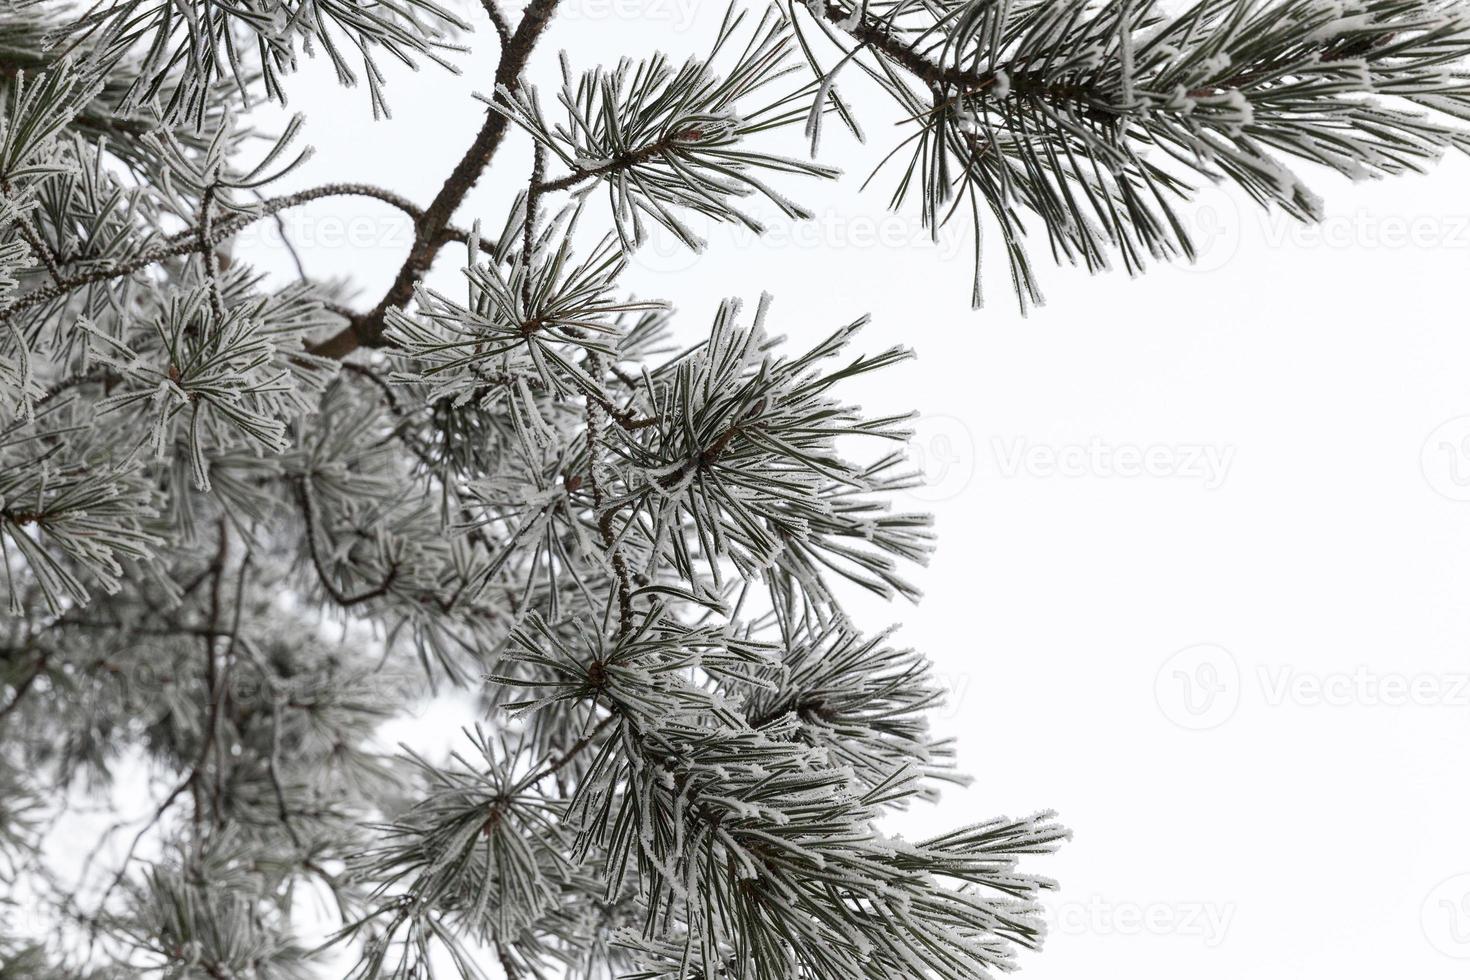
<point x="1243" y="684"/>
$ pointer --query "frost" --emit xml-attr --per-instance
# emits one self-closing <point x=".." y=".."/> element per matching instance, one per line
<point x="1000" y="86"/>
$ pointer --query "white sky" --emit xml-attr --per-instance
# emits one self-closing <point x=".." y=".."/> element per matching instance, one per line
<point x="1306" y="514"/>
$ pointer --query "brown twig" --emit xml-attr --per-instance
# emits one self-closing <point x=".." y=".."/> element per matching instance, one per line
<point x="949" y="78"/>
<point x="367" y="330"/>
<point x="308" y="510"/>
<point x="190" y="781"/>
<point x="193" y="240"/>
<point x="577" y="748"/>
<point x="528" y="227"/>
<point x="207" y="251"/>
<point x="25" y="685"/>
<point x="32" y="237"/>
<point x="604" y="515"/>
<point x="619" y="163"/>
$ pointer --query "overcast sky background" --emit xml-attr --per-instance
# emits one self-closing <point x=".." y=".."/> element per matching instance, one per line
<point x="1203" y="580"/>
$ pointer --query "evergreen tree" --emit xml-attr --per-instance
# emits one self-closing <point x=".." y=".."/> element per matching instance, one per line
<point x="242" y="526"/>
